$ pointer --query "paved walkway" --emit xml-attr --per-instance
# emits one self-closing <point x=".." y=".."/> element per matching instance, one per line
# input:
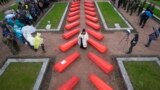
<point x="5" y="6"/>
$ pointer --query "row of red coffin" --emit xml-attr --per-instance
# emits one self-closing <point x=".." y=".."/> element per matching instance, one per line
<point x="102" y="64"/>
<point x="71" y="83"/>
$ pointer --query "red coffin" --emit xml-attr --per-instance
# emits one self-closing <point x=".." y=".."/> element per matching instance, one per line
<point x="89" y="4"/>
<point x="75" y="5"/>
<point x="98" y="46"/>
<point x="71" y="14"/>
<point x="72" y="25"/>
<point x="93" y="25"/>
<point x="74" y="9"/>
<point x="76" y="2"/>
<point x="70" y="34"/>
<point x="70" y="84"/>
<point x="62" y="65"/>
<point x="95" y="34"/>
<point x="99" y="83"/>
<point x="90" y="9"/>
<point x="90" y="13"/>
<point x="93" y="19"/>
<point x="68" y="45"/>
<point x="74" y="18"/>
<point x="101" y="63"/>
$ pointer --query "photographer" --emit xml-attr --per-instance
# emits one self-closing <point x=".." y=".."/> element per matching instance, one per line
<point x="153" y="36"/>
<point x="133" y="43"/>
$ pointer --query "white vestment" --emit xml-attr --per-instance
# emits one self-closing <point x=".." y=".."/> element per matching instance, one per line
<point x="84" y="39"/>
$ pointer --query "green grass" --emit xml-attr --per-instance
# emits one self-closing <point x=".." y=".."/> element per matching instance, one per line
<point x="110" y="15"/>
<point x="1" y="16"/>
<point x="54" y="16"/>
<point x="155" y="11"/>
<point x="157" y="2"/>
<point x="20" y="76"/>
<point x="144" y="75"/>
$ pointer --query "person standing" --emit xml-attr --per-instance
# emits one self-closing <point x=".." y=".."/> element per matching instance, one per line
<point x="136" y="5"/>
<point x="129" y="6"/>
<point x="120" y="3"/>
<point x="140" y="9"/>
<point x="133" y="43"/>
<point x="38" y="41"/>
<point x="132" y="8"/>
<point x="145" y="16"/>
<point x="114" y="1"/>
<point x="125" y="2"/>
<point x="153" y="36"/>
<point x="82" y="39"/>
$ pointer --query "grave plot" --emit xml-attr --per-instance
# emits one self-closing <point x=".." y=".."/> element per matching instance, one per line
<point x="55" y="15"/>
<point x="140" y="73"/>
<point x="111" y="18"/>
<point x="22" y="74"/>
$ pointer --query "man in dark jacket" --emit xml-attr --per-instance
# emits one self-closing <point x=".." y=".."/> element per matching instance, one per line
<point x="145" y="16"/>
<point x="153" y="36"/>
<point x="133" y="43"/>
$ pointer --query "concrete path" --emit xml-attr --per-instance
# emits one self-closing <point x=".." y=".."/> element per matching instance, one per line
<point x="5" y="6"/>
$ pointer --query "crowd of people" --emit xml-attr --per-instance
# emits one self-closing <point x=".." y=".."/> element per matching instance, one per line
<point x="143" y="11"/>
<point x="139" y="7"/>
<point x="16" y="20"/>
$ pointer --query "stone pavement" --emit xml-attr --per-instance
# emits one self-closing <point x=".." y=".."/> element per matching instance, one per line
<point x="5" y="6"/>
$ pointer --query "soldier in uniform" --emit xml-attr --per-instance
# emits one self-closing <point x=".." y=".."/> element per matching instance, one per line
<point x="129" y="6"/>
<point x="120" y="3"/>
<point x="136" y="5"/>
<point x="132" y="8"/>
<point x="140" y="9"/>
<point x="114" y="1"/>
<point x="125" y="2"/>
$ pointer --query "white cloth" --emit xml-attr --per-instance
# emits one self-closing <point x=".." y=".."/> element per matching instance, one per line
<point x="9" y="16"/>
<point x="30" y="39"/>
<point x="84" y="39"/>
<point x="28" y="29"/>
